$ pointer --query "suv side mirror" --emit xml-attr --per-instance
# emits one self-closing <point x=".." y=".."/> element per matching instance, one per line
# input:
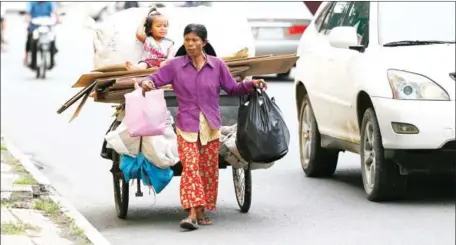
<point x="343" y="37"/>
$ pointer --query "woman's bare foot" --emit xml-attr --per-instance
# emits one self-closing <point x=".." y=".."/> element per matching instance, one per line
<point x="130" y="66"/>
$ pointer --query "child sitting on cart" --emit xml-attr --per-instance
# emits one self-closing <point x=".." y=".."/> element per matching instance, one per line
<point x="157" y="48"/>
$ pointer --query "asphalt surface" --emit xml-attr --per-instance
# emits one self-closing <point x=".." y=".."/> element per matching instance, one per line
<point x="287" y="208"/>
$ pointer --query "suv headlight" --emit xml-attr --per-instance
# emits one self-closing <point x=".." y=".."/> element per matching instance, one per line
<point x="412" y="86"/>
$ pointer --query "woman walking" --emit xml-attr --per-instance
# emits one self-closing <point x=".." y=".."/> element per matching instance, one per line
<point x="196" y="78"/>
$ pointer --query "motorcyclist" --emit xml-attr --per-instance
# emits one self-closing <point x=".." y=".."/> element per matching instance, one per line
<point x="34" y="10"/>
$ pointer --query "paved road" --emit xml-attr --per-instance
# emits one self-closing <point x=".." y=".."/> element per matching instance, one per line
<point x="287" y="207"/>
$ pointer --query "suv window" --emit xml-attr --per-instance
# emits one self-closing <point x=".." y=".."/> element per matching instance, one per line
<point x="322" y="15"/>
<point x="335" y="17"/>
<point x="358" y="17"/>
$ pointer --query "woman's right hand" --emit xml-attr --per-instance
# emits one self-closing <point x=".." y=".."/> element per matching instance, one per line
<point x="146" y="85"/>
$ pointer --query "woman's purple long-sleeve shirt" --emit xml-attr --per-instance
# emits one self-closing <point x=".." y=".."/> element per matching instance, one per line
<point x="198" y="91"/>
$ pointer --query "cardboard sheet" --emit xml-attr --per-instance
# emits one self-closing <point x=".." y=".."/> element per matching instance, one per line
<point x="258" y="66"/>
<point x="111" y="68"/>
<point x="88" y="78"/>
<point x="239" y="71"/>
<point x="121" y="83"/>
<point x="267" y="65"/>
<point x="241" y="54"/>
<point x="111" y="83"/>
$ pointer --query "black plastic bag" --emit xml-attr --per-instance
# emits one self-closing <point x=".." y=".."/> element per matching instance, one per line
<point x="262" y="134"/>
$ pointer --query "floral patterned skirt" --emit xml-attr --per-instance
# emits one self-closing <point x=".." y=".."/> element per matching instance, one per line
<point x="199" y="179"/>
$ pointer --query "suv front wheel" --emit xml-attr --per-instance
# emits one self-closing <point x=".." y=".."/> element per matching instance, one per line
<point x="315" y="160"/>
<point x="381" y="178"/>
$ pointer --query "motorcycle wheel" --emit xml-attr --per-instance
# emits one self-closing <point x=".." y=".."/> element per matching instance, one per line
<point x="41" y="66"/>
<point x="37" y="69"/>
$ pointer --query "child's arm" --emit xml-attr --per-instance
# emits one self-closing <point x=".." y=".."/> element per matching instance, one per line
<point x="171" y="52"/>
<point x="140" y="33"/>
<point x="170" y="55"/>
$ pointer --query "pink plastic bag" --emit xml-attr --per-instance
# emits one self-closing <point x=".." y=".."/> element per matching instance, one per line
<point x="145" y="115"/>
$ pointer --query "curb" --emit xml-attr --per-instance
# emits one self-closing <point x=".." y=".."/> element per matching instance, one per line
<point x="66" y="207"/>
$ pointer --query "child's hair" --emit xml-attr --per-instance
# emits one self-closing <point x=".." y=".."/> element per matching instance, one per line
<point x="150" y="20"/>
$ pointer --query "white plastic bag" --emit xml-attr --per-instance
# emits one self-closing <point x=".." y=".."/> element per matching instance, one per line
<point x="121" y="141"/>
<point x="228" y="155"/>
<point x="115" y="39"/>
<point x="234" y="159"/>
<point x="161" y="150"/>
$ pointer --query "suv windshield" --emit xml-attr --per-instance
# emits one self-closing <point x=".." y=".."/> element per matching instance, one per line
<point x="417" y="21"/>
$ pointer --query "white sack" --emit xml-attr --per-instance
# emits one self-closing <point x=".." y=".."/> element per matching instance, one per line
<point x="161" y="150"/>
<point x="121" y="141"/>
<point x="115" y="39"/>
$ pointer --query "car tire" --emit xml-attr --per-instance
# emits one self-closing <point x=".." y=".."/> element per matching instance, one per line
<point x="381" y="177"/>
<point x="316" y="161"/>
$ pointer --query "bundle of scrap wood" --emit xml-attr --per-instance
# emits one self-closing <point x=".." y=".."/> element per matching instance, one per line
<point x="109" y="84"/>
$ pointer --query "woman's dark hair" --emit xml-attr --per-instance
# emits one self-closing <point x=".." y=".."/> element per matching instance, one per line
<point x="201" y="32"/>
<point x="153" y="13"/>
<point x="198" y="29"/>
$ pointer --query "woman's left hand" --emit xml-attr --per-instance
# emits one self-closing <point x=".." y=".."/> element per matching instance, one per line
<point x="260" y="83"/>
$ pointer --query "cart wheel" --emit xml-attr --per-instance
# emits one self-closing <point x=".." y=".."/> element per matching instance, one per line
<point x="242" y="179"/>
<point x="121" y="191"/>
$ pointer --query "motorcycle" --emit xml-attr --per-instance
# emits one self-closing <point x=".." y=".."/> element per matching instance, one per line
<point x="44" y="41"/>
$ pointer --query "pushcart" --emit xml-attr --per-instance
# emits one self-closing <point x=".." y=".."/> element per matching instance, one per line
<point x="242" y="177"/>
<point x="105" y="86"/>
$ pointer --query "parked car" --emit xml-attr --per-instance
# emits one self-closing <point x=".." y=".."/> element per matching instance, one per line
<point x="276" y="26"/>
<point x="217" y="22"/>
<point x="15" y="7"/>
<point x="378" y="79"/>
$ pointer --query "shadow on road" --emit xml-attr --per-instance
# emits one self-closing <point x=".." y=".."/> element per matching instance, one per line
<point x="420" y="188"/>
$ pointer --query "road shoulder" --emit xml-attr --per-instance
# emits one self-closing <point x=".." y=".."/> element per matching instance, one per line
<point x="31" y="210"/>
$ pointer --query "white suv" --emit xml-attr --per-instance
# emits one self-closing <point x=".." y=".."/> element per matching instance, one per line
<point x="377" y="79"/>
